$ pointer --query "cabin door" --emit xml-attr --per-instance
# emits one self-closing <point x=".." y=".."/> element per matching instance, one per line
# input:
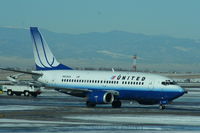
<point x="151" y="85"/>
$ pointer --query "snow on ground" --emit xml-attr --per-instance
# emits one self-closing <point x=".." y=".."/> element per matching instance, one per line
<point x="142" y="119"/>
<point x="18" y="107"/>
<point x="35" y="123"/>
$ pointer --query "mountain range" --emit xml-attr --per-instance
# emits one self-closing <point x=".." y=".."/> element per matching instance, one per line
<point x="106" y="49"/>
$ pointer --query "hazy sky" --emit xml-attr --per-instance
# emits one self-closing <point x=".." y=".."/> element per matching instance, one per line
<point x="178" y="18"/>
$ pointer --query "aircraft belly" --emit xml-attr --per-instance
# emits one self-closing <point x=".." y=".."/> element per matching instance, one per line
<point x="127" y="93"/>
<point x="147" y="95"/>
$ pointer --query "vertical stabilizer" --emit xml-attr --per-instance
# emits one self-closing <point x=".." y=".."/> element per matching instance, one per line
<point x="44" y="58"/>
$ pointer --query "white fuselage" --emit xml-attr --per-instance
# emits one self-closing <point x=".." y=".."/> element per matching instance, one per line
<point x="128" y="84"/>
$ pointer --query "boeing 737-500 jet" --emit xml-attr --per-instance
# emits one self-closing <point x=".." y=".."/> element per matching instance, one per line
<point x="100" y="87"/>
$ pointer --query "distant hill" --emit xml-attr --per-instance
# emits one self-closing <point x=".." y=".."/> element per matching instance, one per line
<point x="109" y="49"/>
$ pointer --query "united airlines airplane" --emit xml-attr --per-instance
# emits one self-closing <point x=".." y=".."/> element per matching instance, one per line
<point x="100" y="87"/>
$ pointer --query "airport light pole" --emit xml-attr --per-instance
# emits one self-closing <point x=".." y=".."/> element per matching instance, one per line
<point x="134" y="63"/>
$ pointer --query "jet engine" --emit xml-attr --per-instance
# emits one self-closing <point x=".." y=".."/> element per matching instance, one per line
<point x="100" y="97"/>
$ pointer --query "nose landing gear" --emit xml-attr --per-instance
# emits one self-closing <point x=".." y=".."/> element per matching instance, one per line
<point x="162" y="104"/>
<point x="116" y="104"/>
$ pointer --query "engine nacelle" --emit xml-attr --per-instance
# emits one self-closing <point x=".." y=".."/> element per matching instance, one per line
<point x="100" y="97"/>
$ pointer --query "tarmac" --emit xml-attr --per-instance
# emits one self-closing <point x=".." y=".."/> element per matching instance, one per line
<point x="56" y="112"/>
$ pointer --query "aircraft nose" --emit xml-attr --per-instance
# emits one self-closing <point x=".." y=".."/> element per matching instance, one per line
<point x="182" y="90"/>
<point x="185" y="91"/>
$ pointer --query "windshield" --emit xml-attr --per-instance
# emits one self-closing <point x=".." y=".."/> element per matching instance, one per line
<point x="168" y="82"/>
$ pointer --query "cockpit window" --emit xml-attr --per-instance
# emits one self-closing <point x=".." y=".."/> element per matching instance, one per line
<point x="173" y="83"/>
<point x="168" y="82"/>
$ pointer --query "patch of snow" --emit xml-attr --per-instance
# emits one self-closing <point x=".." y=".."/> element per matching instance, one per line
<point x="142" y="119"/>
<point x="18" y="107"/>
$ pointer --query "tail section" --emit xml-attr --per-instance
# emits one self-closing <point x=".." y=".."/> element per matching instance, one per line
<point x="44" y="58"/>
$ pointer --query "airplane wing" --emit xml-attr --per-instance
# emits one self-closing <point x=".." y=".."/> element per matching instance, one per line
<point x="20" y="71"/>
<point x="73" y="92"/>
<point x="81" y="92"/>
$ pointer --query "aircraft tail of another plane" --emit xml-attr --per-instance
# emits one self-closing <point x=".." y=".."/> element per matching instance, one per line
<point x="44" y="58"/>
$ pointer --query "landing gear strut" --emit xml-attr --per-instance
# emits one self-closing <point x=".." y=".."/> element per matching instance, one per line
<point x="116" y="104"/>
<point x="162" y="107"/>
<point x="163" y="102"/>
<point x="90" y="105"/>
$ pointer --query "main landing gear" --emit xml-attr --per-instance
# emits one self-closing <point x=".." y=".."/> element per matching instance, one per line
<point x="162" y="107"/>
<point x="90" y="105"/>
<point x="116" y="104"/>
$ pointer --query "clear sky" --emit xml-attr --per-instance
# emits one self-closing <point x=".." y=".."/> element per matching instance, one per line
<point x="178" y="18"/>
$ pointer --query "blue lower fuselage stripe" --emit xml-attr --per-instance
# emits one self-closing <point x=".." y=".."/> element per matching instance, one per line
<point x="155" y="94"/>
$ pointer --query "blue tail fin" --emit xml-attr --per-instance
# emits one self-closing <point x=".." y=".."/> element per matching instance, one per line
<point x="44" y="58"/>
